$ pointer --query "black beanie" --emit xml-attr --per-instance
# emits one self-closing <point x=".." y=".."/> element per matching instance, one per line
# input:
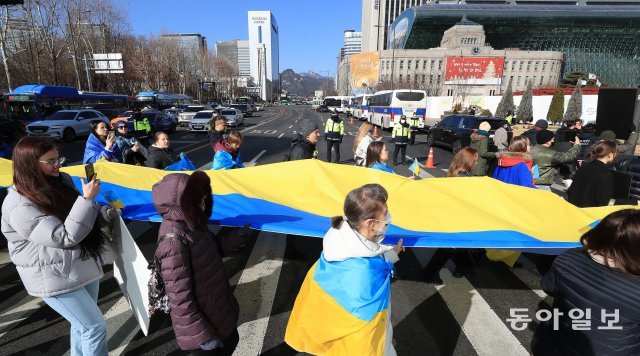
<point x="544" y="136"/>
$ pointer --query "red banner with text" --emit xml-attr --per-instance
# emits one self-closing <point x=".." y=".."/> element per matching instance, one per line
<point x="474" y="70"/>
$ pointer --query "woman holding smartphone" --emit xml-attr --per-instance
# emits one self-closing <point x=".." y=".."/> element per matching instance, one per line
<point x="54" y="239"/>
<point x="101" y="144"/>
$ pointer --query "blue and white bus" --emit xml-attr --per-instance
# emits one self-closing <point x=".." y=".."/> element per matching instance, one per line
<point x="338" y="103"/>
<point x="386" y="107"/>
<point x="35" y="102"/>
<point x="361" y="107"/>
<point x="161" y="100"/>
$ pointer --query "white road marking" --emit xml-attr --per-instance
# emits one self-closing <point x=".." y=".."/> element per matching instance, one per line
<point x="119" y="315"/>
<point x="255" y="159"/>
<point x="290" y="126"/>
<point x="256" y="291"/>
<point x="206" y="166"/>
<point x="282" y="134"/>
<point x="16" y="309"/>
<point x="480" y="324"/>
<point x="4" y="258"/>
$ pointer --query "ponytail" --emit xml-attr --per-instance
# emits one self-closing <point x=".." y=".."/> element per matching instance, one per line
<point x="336" y="221"/>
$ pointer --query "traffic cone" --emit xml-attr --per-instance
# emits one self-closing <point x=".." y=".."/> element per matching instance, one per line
<point x="351" y="121"/>
<point x="429" y="163"/>
<point x="375" y="131"/>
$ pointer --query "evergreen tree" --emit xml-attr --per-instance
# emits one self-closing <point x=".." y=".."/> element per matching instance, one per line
<point x="525" y="109"/>
<point x="556" y="109"/>
<point x="506" y="105"/>
<point x="574" y="108"/>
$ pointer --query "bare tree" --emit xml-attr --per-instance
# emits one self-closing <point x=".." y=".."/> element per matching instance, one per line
<point x="5" y="17"/>
<point x="48" y="25"/>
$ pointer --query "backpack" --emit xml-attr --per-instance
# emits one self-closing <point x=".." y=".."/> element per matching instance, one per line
<point x="158" y="299"/>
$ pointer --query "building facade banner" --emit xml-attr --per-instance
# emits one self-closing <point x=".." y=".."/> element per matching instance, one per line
<point x="474" y="70"/>
<point x="365" y="68"/>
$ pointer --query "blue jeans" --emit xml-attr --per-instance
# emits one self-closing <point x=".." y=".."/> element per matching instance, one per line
<point x="88" y="327"/>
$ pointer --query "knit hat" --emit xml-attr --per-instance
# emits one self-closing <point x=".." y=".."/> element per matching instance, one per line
<point x="307" y="127"/>
<point x="485" y="126"/>
<point x="544" y="136"/>
<point x="607" y="135"/>
<point x="542" y="124"/>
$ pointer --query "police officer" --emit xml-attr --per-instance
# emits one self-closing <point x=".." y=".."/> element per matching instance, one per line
<point x="401" y="135"/>
<point x="141" y="128"/>
<point x="414" y="123"/>
<point x="334" y="131"/>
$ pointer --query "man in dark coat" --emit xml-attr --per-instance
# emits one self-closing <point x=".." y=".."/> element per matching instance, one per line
<point x="218" y="131"/>
<point x="303" y="146"/>
<point x="531" y="133"/>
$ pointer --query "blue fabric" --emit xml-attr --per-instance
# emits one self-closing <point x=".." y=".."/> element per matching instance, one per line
<point x="184" y="164"/>
<point x="124" y="143"/>
<point x="224" y="160"/>
<point x="518" y="175"/>
<point x="88" y="327"/>
<point x="95" y="150"/>
<point x="382" y="167"/>
<point x="362" y="286"/>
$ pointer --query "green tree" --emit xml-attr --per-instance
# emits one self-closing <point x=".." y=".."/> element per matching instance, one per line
<point x="574" y="108"/>
<point x="556" y="109"/>
<point x="525" y="109"/>
<point x="506" y="104"/>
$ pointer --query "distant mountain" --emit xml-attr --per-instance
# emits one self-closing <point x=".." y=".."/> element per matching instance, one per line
<point x="303" y="84"/>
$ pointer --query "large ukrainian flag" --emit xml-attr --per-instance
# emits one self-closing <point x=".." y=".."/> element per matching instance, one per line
<point x="300" y="198"/>
<point x="342" y="308"/>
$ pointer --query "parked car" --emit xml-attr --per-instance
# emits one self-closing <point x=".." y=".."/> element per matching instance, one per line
<point x="66" y="124"/>
<point x="184" y="118"/>
<point x="122" y="117"/>
<point x="200" y="121"/>
<point x="259" y="107"/>
<point x="234" y="116"/>
<point x="322" y="108"/>
<point x="158" y="120"/>
<point x="246" y="110"/>
<point x="172" y="113"/>
<point x="455" y="131"/>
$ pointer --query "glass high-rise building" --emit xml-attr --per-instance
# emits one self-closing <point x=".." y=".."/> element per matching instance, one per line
<point x="599" y="39"/>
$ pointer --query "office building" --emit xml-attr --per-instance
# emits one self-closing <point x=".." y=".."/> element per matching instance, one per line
<point x="237" y="53"/>
<point x="377" y="17"/>
<point x="190" y="43"/>
<point x="264" y="52"/>
<point x="352" y="42"/>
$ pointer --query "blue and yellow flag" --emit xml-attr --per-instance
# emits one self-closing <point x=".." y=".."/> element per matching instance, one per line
<point x="300" y="197"/>
<point x="342" y="308"/>
<point x="415" y="167"/>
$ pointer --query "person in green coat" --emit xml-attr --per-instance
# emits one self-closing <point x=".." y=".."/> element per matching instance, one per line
<point x="548" y="160"/>
<point x="480" y="143"/>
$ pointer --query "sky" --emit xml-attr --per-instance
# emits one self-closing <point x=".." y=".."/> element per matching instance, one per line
<point x="311" y="31"/>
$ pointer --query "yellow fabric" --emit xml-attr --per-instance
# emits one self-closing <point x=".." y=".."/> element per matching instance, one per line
<point x="319" y="325"/>
<point x="508" y="257"/>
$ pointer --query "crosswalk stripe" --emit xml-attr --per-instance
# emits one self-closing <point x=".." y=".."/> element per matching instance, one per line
<point x="4" y="258"/>
<point x="481" y="325"/>
<point x="16" y="309"/>
<point x="256" y="291"/>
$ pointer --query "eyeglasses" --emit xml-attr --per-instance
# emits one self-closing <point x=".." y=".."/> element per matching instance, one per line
<point x="122" y="127"/>
<point x="54" y="163"/>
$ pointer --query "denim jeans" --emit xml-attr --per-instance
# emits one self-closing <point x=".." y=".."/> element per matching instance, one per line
<point x="88" y="327"/>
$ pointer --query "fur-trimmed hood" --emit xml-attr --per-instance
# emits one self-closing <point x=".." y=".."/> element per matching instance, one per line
<point x="510" y="159"/>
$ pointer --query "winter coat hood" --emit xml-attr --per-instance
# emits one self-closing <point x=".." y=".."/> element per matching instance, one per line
<point x="477" y="137"/>
<point x="510" y="159"/>
<point x="177" y="197"/>
<point x="224" y="146"/>
<point x="344" y="243"/>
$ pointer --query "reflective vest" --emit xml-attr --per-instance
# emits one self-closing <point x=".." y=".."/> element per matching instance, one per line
<point x="142" y="125"/>
<point x="334" y="130"/>
<point x="414" y="122"/>
<point x="401" y="134"/>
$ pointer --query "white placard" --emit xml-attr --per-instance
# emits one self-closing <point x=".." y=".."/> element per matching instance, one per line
<point x="131" y="272"/>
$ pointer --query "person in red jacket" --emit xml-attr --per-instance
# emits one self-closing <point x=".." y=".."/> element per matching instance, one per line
<point x="204" y="312"/>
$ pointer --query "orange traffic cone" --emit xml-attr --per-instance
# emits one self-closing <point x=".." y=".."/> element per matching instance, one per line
<point x="351" y="121"/>
<point x="375" y="131"/>
<point x="429" y="163"/>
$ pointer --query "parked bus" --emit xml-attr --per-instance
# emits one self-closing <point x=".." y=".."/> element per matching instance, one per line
<point x="35" y="102"/>
<point x="161" y="100"/>
<point x="338" y="103"/>
<point x="361" y="107"/>
<point x="386" y="107"/>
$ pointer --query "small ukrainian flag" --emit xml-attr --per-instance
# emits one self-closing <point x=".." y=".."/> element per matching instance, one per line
<point x="415" y="167"/>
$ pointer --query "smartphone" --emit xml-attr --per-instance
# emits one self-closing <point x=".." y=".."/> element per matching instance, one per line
<point x="89" y="171"/>
<point x="111" y="135"/>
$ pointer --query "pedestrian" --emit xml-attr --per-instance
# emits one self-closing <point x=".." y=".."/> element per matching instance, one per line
<point x="501" y="136"/>
<point x="101" y="144"/>
<point x="480" y="142"/>
<point x="548" y="160"/>
<point x="363" y="138"/>
<point x="567" y="132"/>
<point x="601" y="279"/>
<point x="401" y="136"/>
<point x="218" y="131"/>
<point x="55" y="240"/>
<point x="509" y="117"/>
<point x="160" y="154"/>
<point x="516" y="165"/>
<point x="414" y="123"/>
<point x="228" y="152"/>
<point x="141" y="127"/>
<point x="132" y="150"/>
<point x="587" y="136"/>
<point x="334" y="131"/>
<point x="531" y="133"/>
<point x="593" y="183"/>
<point x="461" y="166"/>
<point x="344" y="304"/>
<point x="204" y="312"/>
<point x="627" y="149"/>
<point x="378" y="156"/>
<point x="303" y="145"/>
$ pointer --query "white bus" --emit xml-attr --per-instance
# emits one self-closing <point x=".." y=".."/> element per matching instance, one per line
<point x="386" y="107"/>
<point x="338" y="103"/>
<point x="361" y="107"/>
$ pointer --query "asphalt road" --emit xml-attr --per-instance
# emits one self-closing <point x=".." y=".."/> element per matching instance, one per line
<point x="465" y="316"/>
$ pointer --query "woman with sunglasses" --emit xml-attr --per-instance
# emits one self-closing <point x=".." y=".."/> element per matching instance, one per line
<point x="129" y="146"/>
<point x="55" y="241"/>
<point x="101" y="145"/>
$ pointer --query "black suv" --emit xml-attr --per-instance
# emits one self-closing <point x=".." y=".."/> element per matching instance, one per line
<point x="455" y="131"/>
<point x="246" y="110"/>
